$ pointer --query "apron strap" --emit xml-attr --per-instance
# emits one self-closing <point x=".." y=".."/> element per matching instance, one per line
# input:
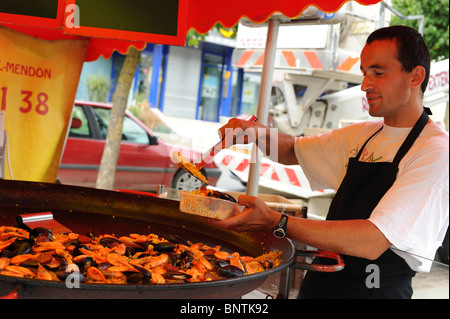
<point x="364" y="145"/>
<point x="409" y="141"/>
<point x="411" y="138"/>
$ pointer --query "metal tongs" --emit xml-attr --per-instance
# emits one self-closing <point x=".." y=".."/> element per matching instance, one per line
<point x="194" y="169"/>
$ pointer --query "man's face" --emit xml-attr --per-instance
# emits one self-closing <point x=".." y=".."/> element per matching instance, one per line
<point x="385" y="82"/>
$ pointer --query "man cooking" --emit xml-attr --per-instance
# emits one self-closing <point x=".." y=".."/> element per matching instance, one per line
<point x="391" y="174"/>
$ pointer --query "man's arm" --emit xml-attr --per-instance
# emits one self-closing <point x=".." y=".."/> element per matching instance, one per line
<point x="264" y="138"/>
<point x="359" y="238"/>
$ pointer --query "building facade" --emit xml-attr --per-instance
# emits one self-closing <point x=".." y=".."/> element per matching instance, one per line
<point x="189" y="82"/>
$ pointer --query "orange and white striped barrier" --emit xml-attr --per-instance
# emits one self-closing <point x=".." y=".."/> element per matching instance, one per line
<point x="281" y="178"/>
<point x="304" y="59"/>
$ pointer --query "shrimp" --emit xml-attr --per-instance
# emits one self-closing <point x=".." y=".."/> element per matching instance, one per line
<point x="157" y="261"/>
<point x="96" y="275"/>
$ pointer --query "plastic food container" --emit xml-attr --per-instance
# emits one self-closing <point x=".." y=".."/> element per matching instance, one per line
<point x="207" y="206"/>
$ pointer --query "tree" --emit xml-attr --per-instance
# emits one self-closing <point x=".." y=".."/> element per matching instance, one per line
<point x="194" y="38"/>
<point x="106" y="172"/>
<point x="98" y="88"/>
<point x="435" y="24"/>
<point x="108" y="164"/>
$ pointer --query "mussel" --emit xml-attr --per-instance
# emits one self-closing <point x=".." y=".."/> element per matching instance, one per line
<point x="109" y="241"/>
<point x="164" y="247"/>
<point x="172" y="260"/>
<point x="18" y="247"/>
<point x="222" y="263"/>
<point x="134" y="277"/>
<point x="72" y="244"/>
<point x="216" y="194"/>
<point x="224" y="196"/>
<point x="185" y="261"/>
<point x="230" y="271"/>
<point x="85" y="263"/>
<point x="177" y="240"/>
<point x="176" y="276"/>
<point x="146" y="274"/>
<point x="41" y="234"/>
<point x="76" y="250"/>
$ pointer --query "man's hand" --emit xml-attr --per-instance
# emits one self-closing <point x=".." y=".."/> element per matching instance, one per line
<point x="238" y="131"/>
<point x="255" y="216"/>
<point x="355" y="237"/>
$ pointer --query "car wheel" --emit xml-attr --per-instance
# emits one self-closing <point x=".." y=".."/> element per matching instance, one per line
<point x="183" y="181"/>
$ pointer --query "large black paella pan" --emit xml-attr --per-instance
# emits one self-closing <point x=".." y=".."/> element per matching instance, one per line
<point x="92" y="210"/>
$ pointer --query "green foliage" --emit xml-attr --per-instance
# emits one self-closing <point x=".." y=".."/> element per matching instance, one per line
<point x="194" y="38"/>
<point x="98" y="88"/>
<point x="436" y="23"/>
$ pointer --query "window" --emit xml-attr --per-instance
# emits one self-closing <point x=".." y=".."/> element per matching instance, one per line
<point x="211" y="84"/>
<point x="102" y="117"/>
<point x="250" y="93"/>
<point x="83" y="130"/>
<point x="131" y="131"/>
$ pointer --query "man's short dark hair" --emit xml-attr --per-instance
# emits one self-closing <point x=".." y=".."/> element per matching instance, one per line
<point x="411" y="48"/>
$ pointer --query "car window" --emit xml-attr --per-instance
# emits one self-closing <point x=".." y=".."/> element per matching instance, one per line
<point x="102" y="116"/>
<point x="82" y="130"/>
<point x="131" y="131"/>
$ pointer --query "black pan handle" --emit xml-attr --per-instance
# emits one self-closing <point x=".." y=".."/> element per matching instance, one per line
<point x="339" y="265"/>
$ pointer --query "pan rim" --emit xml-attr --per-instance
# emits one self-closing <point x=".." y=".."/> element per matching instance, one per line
<point x="146" y="287"/>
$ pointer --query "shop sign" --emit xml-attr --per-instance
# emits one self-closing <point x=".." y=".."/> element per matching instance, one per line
<point x="152" y="21"/>
<point x="38" y="83"/>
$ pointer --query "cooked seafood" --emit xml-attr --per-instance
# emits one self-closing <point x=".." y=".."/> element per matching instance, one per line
<point x="132" y="259"/>
<point x="182" y="162"/>
<point x="213" y="193"/>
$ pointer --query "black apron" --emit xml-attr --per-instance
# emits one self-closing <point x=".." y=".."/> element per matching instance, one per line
<point x="362" y="188"/>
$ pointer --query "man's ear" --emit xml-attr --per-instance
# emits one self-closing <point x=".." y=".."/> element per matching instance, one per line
<point x="418" y="76"/>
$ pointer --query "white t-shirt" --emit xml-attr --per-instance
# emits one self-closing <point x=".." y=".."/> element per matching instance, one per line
<point x="414" y="213"/>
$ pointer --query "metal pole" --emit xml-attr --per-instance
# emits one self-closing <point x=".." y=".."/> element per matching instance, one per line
<point x="383" y="5"/>
<point x="263" y="103"/>
<point x="2" y="157"/>
<point x="2" y="145"/>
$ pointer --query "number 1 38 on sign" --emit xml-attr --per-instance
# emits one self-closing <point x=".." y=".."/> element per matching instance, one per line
<point x="30" y="101"/>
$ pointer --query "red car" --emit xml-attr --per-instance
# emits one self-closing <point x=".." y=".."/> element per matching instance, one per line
<point x="144" y="160"/>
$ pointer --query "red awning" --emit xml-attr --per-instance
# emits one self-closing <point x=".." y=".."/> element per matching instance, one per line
<point x="201" y="15"/>
<point x="97" y="46"/>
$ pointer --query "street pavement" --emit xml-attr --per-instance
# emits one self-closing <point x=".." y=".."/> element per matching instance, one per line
<point x="434" y="285"/>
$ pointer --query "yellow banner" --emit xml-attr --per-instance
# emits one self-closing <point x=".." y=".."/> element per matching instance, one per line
<point x="38" y="83"/>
